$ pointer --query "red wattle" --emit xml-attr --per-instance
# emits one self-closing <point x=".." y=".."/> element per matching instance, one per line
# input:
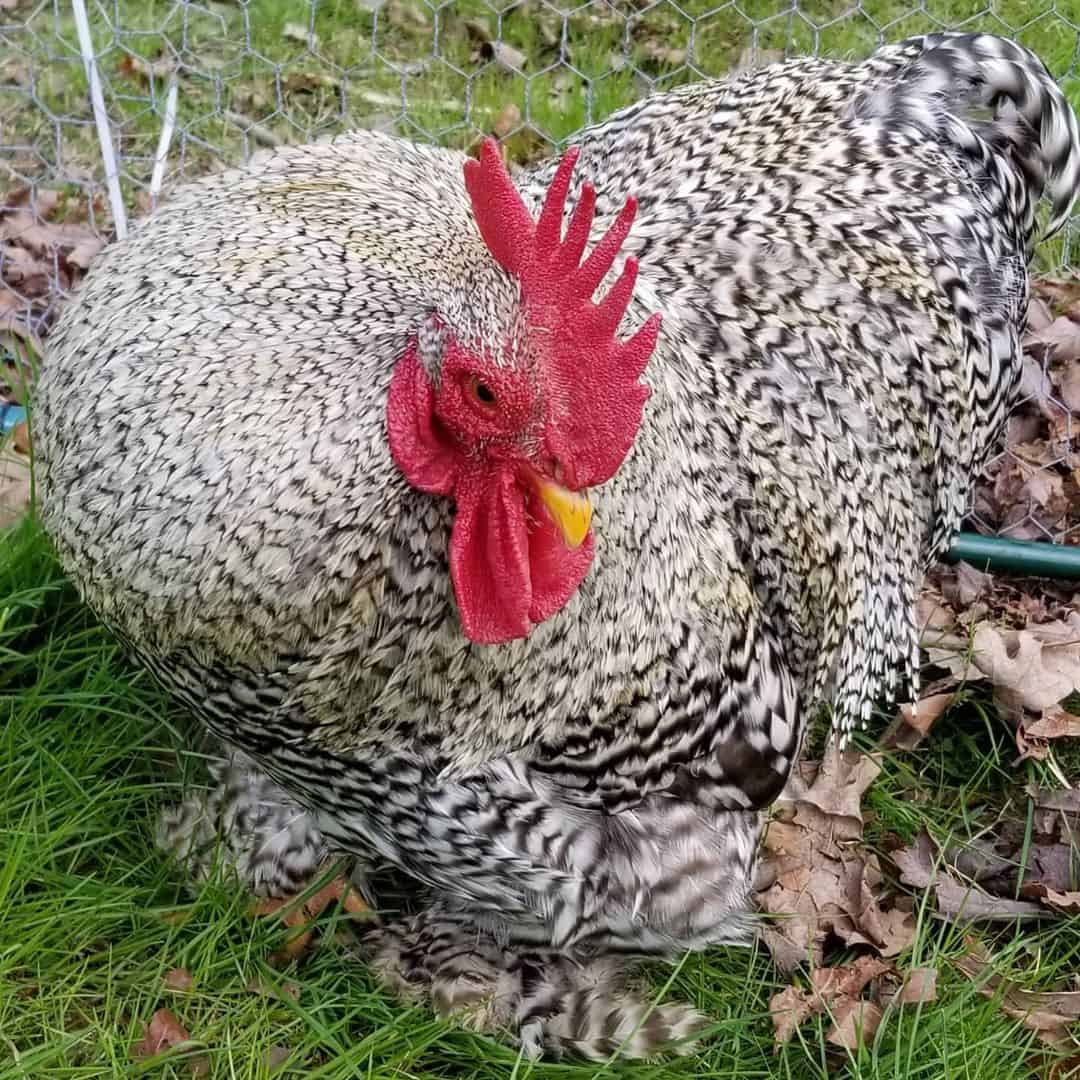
<point x="489" y="556"/>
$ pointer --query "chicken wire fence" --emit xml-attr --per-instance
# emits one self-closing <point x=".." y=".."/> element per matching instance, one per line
<point x="106" y="106"/>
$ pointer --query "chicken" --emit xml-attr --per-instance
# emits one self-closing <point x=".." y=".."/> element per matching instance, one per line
<point x="318" y="442"/>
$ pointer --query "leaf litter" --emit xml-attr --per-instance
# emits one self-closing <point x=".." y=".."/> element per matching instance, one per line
<point x="816" y="881"/>
<point x="46" y="245"/>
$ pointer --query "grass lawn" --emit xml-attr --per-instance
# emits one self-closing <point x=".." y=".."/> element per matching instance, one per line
<point x="91" y="916"/>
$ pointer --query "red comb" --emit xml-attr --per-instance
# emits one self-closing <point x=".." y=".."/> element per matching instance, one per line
<point x="553" y="278"/>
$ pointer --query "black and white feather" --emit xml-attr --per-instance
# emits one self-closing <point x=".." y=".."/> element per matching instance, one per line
<point x="840" y="254"/>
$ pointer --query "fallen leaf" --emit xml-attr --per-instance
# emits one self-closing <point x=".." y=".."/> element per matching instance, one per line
<point x="407" y="15"/>
<point x="855" y="1023"/>
<point x="147" y="70"/>
<point x="1066" y="802"/>
<point x="1049" y="1013"/>
<point x="813" y="879"/>
<point x="1058" y="341"/>
<point x="750" y="59"/>
<point x="1068" y="384"/>
<point x="835" y="991"/>
<point x="1059" y="293"/>
<point x="919" y="987"/>
<point x="1039" y="315"/>
<point x="666" y="55"/>
<point x="179" y="979"/>
<point x="1055" y="723"/>
<point x="277" y="1056"/>
<point x="842" y="779"/>
<point x="922" y="866"/>
<point x="506" y="56"/>
<point x="302" y="916"/>
<point x="283" y="991"/>
<point x="913" y="723"/>
<point x="1035" y="384"/>
<point x="1068" y="903"/>
<point x="1040" y="664"/>
<point x="20" y="438"/>
<point x="788" y="1009"/>
<point x="165" y="1032"/>
<point x="508" y="120"/>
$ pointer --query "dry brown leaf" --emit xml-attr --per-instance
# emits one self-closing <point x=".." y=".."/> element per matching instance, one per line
<point x="1060" y="293"/>
<point x="1035" y="383"/>
<point x="277" y="1056"/>
<point x="750" y="59"/>
<point x="40" y="260"/>
<point x="1067" y="802"/>
<point x="1055" y="723"/>
<point x="1058" y="341"/>
<point x="282" y="991"/>
<point x="1039" y="315"/>
<point x="179" y="979"/>
<point x="1048" y="1013"/>
<point x="662" y="53"/>
<point x="1040" y="665"/>
<point x="20" y="438"/>
<point x="509" y="119"/>
<point x="147" y="70"/>
<point x="913" y="723"/>
<point x="504" y="55"/>
<point x="922" y="866"/>
<point x="813" y="878"/>
<point x="1068" y="903"/>
<point x="837" y="791"/>
<point x="407" y="15"/>
<point x="788" y="1009"/>
<point x="302" y="916"/>
<point x="834" y="991"/>
<point x="919" y="987"/>
<point x="933" y="613"/>
<point x="1068" y="384"/>
<point x="164" y="1032"/>
<point x="855" y="1023"/>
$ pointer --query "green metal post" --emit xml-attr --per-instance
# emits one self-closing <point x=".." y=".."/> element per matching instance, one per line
<point x="1035" y="558"/>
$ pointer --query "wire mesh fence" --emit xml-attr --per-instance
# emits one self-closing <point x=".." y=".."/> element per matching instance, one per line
<point x="183" y="88"/>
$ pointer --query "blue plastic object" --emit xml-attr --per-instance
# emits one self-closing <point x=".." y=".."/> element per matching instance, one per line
<point x="10" y="416"/>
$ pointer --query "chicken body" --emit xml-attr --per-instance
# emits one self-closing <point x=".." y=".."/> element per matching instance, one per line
<point x="839" y="253"/>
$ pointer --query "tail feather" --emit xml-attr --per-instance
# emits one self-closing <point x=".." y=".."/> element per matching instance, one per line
<point x="943" y="80"/>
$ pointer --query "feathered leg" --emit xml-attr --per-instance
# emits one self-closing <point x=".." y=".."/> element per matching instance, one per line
<point x="245" y="822"/>
<point x="553" y="1001"/>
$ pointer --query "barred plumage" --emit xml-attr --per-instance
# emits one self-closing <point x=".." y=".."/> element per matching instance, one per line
<point x="839" y="252"/>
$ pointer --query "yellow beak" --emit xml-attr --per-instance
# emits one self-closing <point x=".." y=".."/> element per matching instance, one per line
<point x="570" y="510"/>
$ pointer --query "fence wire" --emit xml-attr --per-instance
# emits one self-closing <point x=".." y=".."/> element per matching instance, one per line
<point x="187" y="88"/>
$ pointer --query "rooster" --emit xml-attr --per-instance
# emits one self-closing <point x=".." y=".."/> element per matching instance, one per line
<point x="508" y="530"/>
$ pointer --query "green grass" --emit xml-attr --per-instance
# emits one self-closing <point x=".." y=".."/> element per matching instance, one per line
<point x="92" y="917"/>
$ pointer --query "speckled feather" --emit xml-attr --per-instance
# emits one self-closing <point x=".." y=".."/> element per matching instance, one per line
<point x="840" y="255"/>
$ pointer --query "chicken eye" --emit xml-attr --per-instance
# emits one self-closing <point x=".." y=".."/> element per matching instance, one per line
<point x="482" y="392"/>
